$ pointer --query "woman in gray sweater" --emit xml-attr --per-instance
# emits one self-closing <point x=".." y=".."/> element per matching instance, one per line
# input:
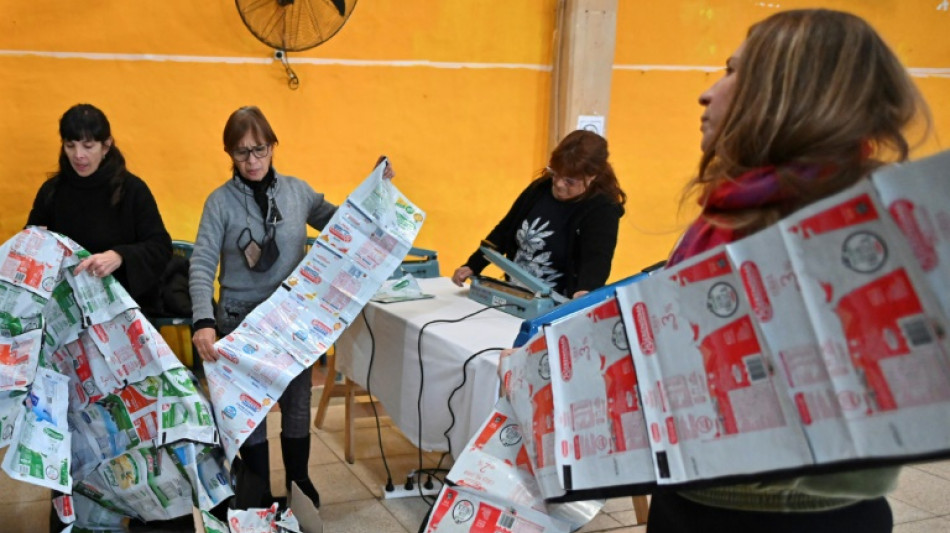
<point x="254" y="227"/>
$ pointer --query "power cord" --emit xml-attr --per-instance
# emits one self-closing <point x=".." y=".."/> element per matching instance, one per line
<point x="452" y="394"/>
<point x="369" y="391"/>
<point x="420" y="470"/>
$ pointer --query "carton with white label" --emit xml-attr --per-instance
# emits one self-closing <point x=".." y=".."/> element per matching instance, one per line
<point x="916" y="195"/>
<point x="712" y="394"/>
<point x="876" y="322"/>
<point x="601" y="435"/>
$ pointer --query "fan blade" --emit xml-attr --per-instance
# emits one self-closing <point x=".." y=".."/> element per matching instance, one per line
<point x="340" y="6"/>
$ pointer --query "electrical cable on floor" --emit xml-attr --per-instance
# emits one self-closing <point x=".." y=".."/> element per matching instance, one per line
<point x="369" y="391"/>
<point x="452" y="394"/>
<point x="420" y="470"/>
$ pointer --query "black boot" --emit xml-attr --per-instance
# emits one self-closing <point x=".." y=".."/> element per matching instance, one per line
<point x="252" y="478"/>
<point x="296" y="456"/>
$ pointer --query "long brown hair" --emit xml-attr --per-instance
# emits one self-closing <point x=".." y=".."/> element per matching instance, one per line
<point x="815" y="88"/>
<point x="584" y="153"/>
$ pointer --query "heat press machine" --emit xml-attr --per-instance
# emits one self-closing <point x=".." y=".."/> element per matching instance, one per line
<point x="419" y="262"/>
<point x="532" y="325"/>
<point x="528" y="300"/>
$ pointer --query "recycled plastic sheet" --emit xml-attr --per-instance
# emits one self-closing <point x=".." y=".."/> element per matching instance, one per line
<point x="496" y="462"/>
<point x="359" y="248"/>
<point x="462" y="510"/>
<point x="817" y="345"/>
<point x="600" y="431"/>
<point x="915" y="194"/>
<point x="89" y="391"/>
<point x="526" y="378"/>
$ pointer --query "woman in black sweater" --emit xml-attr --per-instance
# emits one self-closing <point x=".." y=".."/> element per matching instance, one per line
<point x="563" y="227"/>
<point x="110" y="212"/>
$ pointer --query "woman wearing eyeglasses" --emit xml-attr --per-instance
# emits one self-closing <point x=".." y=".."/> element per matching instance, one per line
<point x="254" y="227"/>
<point x="563" y="227"/>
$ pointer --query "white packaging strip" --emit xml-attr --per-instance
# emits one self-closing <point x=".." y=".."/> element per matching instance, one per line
<point x="527" y="382"/>
<point x="600" y="430"/>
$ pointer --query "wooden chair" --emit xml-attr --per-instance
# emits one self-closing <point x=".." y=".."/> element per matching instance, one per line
<point x="641" y="509"/>
<point x="353" y="396"/>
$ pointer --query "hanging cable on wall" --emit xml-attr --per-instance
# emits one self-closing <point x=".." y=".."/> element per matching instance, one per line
<point x="294" y="25"/>
<point x="292" y="80"/>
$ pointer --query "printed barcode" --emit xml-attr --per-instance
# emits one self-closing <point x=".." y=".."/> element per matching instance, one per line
<point x="755" y="366"/>
<point x="19" y="276"/>
<point x="917" y="331"/>
<point x="506" y="521"/>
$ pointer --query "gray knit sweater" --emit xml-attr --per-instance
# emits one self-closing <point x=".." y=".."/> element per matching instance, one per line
<point x="228" y="210"/>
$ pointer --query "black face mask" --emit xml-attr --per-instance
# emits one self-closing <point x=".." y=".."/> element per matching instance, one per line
<point x="259" y="257"/>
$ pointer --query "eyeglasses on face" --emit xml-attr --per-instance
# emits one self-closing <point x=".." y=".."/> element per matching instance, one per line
<point x="242" y="154"/>
<point x="570" y="182"/>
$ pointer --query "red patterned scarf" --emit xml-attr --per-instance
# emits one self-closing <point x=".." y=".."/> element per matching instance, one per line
<point x="760" y="187"/>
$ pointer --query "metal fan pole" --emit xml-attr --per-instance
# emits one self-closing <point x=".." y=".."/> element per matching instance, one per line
<point x="292" y="80"/>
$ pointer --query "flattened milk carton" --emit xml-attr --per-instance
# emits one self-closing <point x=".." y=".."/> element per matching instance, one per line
<point x="876" y="322"/>
<point x="601" y="435"/>
<point x="711" y="398"/>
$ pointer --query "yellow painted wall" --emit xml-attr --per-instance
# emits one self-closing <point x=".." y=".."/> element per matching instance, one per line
<point x="464" y="141"/>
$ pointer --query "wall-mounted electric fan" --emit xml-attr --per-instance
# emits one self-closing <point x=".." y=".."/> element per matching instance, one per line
<point x="294" y="25"/>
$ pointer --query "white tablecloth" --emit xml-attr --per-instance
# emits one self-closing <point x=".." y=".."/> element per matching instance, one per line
<point x="445" y="347"/>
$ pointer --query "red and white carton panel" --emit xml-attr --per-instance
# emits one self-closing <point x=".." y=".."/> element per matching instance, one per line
<point x="132" y="347"/>
<point x="917" y="195"/>
<point x="771" y="287"/>
<point x="496" y="461"/>
<point x="601" y="435"/>
<point x="19" y="355"/>
<point x="459" y="510"/>
<point x="32" y="259"/>
<point x="526" y="378"/>
<point x="712" y="394"/>
<point x="876" y="321"/>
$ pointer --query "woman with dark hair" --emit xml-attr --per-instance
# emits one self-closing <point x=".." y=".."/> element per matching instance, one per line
<point x="254" y="226"/>
<point x="94" y="200"/>
<point x="810" y="103"/>
<point x="563" y="227"/>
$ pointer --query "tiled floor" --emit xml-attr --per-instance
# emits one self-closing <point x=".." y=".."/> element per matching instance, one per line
<point x="352" y="494"/>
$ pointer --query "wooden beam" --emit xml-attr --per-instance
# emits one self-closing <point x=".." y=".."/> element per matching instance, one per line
<point x="586" y="35"/>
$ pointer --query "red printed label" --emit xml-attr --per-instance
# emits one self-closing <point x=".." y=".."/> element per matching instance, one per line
<point x="755" y="291"/>
<point x="564" y="350"/>
<point x="921" y="242"/>
<point x="803" y="411"/>
<point x="641" y="319"/>
<point x="671" y="430"/>
<point x="497" y="420"/>
<point x="855" y="211"/>
<point x="715" y="266"/>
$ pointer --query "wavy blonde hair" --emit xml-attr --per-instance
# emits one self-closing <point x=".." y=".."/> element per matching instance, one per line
<point x="815" y="88"/>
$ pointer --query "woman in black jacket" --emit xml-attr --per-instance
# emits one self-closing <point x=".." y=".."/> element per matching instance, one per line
<point x="109" y="211"/>
<point x="563" y="227"/>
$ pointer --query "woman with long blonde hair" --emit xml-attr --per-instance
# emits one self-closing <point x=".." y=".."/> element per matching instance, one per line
<point x="811" y="102"/>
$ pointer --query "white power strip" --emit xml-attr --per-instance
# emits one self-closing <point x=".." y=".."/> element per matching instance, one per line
<point x="400" y="491"/>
